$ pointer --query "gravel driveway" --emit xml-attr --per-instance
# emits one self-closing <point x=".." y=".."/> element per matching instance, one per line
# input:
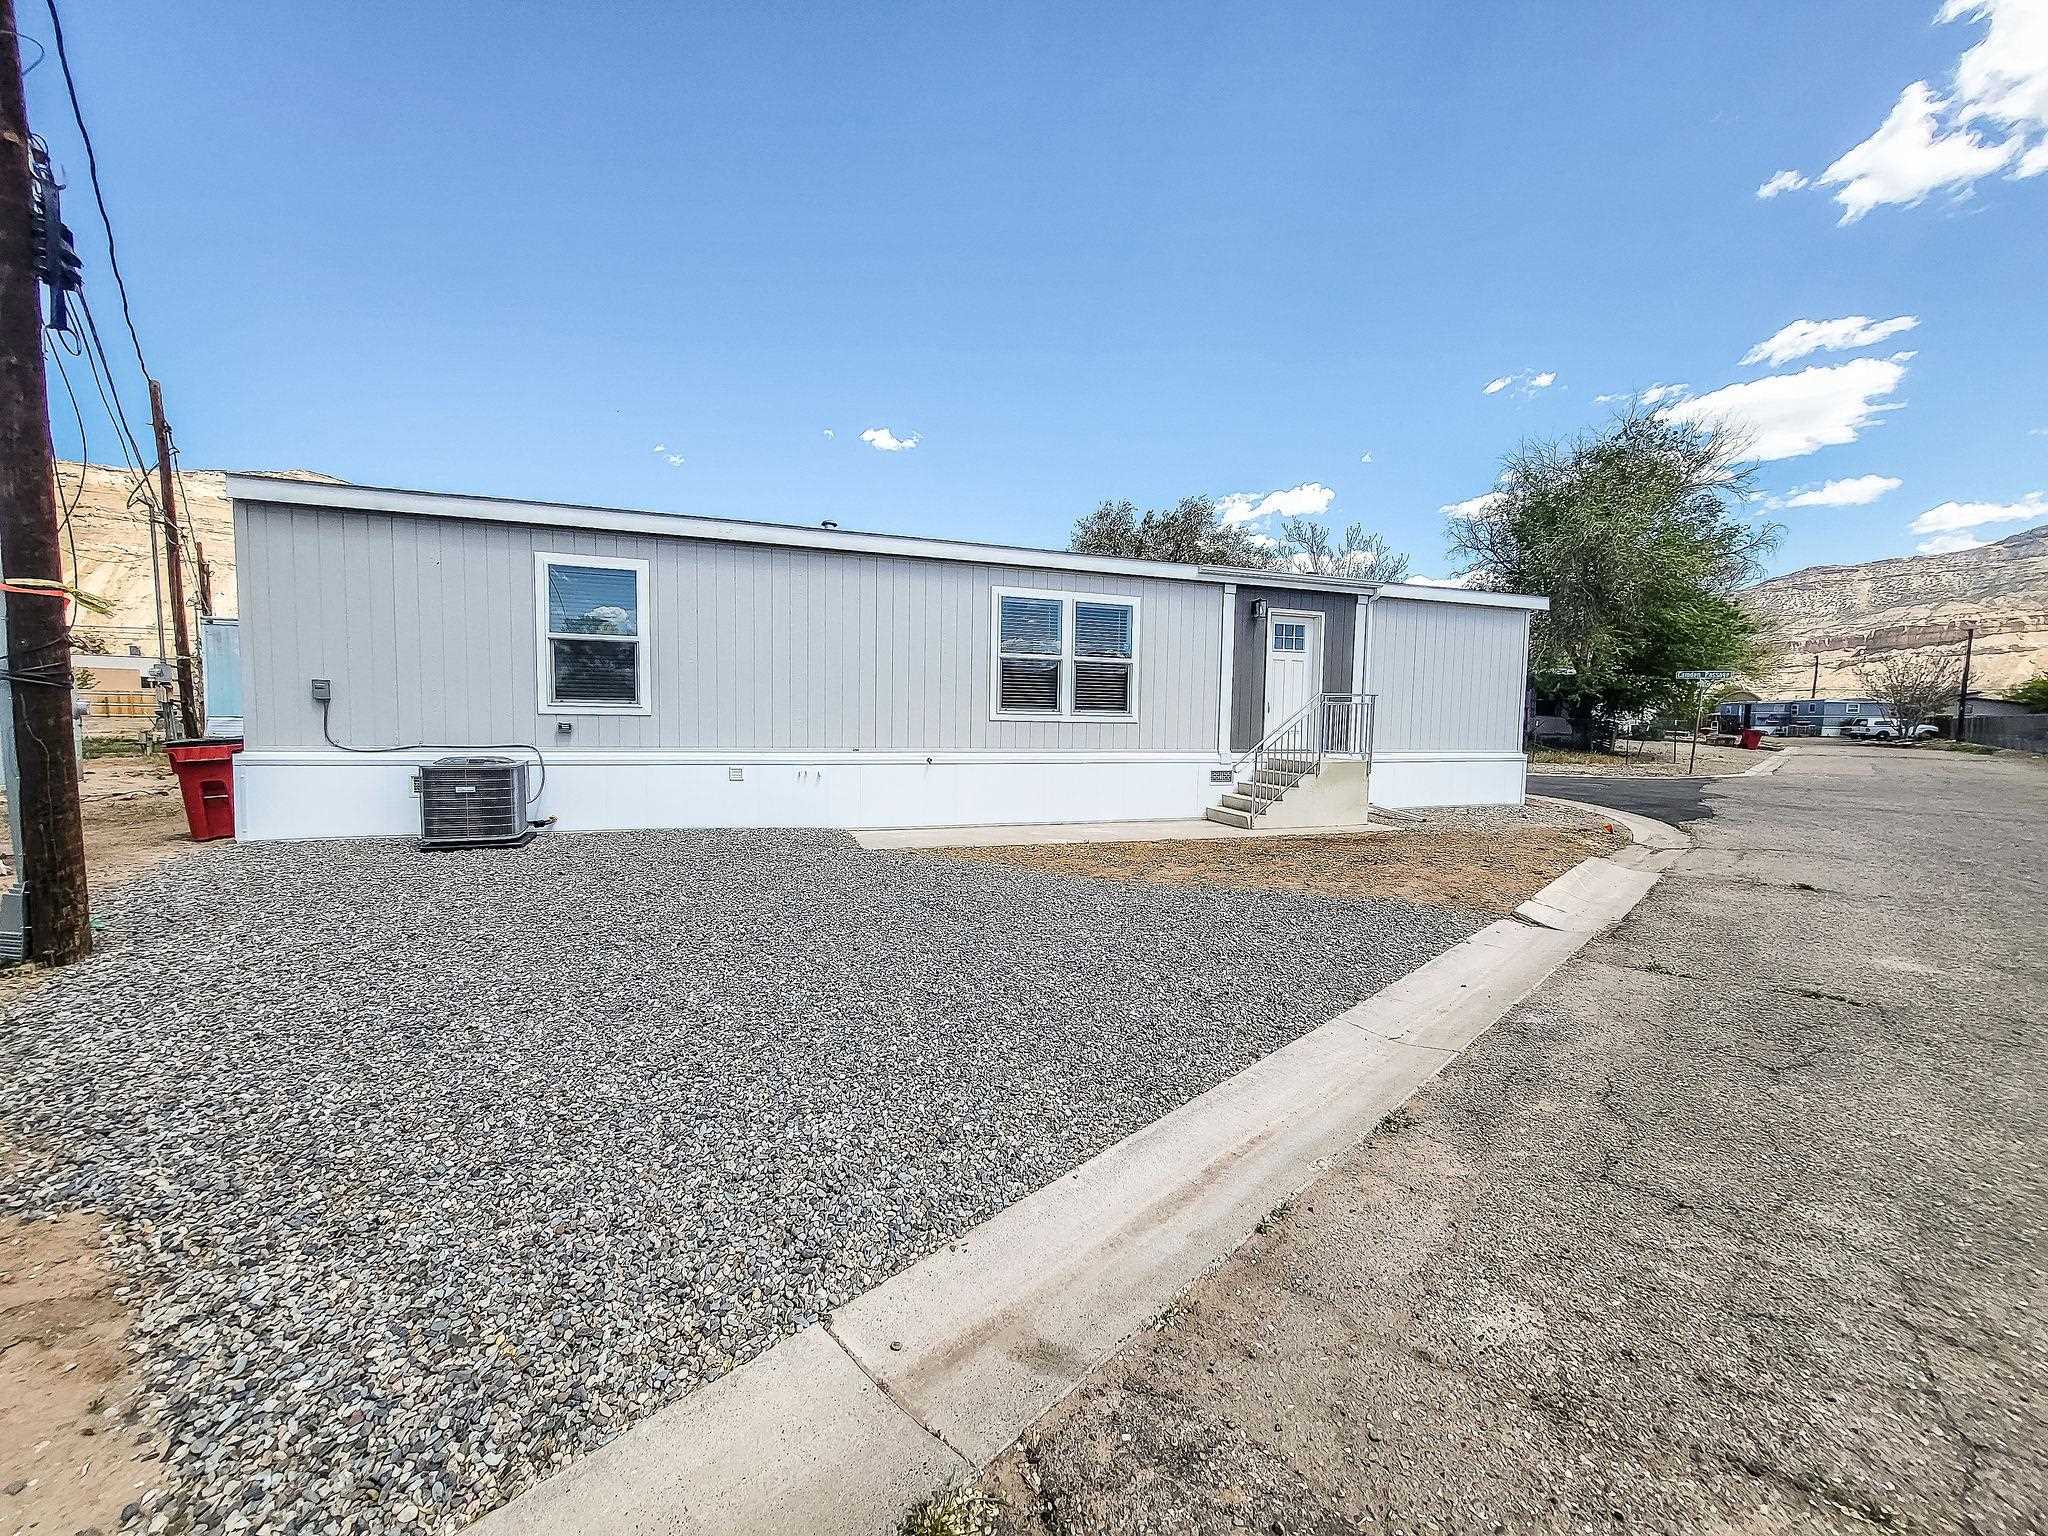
<point x="437" y="1169"/>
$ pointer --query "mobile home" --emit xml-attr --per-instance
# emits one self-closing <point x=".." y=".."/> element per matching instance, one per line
<point x="668" y="670"/>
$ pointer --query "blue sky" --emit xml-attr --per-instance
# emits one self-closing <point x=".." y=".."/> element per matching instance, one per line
<point x="1069" y="254"/>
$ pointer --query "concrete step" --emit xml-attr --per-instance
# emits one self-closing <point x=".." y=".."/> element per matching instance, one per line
<point x="1255" y="790"/>
<point x="1251" y="803"/>
<point x="1229" y="817"/>
<point x="1279" y="778"/>
<point x="1300" y="767"/>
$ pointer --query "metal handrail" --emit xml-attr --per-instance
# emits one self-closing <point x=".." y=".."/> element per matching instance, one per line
<point x="1331" y="724"/>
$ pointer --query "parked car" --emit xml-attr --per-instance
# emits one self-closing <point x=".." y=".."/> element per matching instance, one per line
<point x="1884" y="728"/>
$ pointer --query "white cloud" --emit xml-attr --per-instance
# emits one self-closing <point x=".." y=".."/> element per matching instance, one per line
<point x="1309" y="500"/>
<point x="888" y="442"/>
<point x="1928" y="142"/>
<point x="1784" y="181"/>
<point x="1655" y="395"/>
<point x="1948" y="544"/>
<point x="674" y="458"/>
<point x="1858" y="492"/>
<point x="1802" y="337"/>
<point x="2005" y="76"/>
<point x="1438" y="581"/>
<point x="1789" y="414"/>
<point x="661" y="447"/>
<point x="1910" y="156"/>
<point x="1527" y="380"/>
<point x="1365" y="458"/>
<point x="828" y="434"/>
<point x="1951" y="515"/>
<point x="1472" y="506"/>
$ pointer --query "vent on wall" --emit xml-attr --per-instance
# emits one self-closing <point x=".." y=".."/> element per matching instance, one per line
<point x="468" y="802"/>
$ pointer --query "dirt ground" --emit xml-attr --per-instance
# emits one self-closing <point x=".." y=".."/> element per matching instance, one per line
<point x="1651" y="758"/>
<point x="70" y="1459"/>
<point x="133" y="817"/>
<point x="1484" y="871"/>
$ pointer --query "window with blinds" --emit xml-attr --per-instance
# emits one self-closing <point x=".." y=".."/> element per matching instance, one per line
<point x="1065" y="656"/>
<point x="592" y="634"/>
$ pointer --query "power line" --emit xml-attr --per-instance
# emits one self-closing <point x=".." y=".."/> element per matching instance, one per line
<point x="92" y="166"/>
<point x="84" y="458"/>
<point x="111" y="396"/>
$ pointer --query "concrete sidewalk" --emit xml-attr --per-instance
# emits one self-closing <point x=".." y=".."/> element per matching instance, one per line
<point x="1733" y="1225"/>
<point x="933" y="1373"/>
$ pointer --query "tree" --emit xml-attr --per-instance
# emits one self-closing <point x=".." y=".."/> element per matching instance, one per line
<point x="2032" y="695"/>
<point x="1192" y="533"/>
<point x="1911" y="685"/>
<point x="1637" y="536"/>
<point x="1306" y="546"/>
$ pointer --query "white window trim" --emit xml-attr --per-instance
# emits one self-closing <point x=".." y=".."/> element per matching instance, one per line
<point x="643" y="676"/>
<point x="1068" y="640"/>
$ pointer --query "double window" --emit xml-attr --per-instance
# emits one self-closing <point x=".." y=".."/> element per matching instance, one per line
<point x="593" y="634"/>
<point x="1065" y="656"/>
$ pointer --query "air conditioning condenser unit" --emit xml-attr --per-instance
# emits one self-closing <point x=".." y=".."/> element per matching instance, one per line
<point x="474" y="802"/>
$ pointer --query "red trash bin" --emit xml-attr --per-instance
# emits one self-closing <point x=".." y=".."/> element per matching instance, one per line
<point x="1753" y="740"/>
<point x="206" y="778"/>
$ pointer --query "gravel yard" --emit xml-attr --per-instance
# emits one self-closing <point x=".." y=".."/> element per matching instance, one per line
<point x="435" y="1170"/>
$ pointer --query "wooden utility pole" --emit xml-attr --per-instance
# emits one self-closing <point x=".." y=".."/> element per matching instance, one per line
<point x="205" y="579"/>
<point x="174" y="560"/>
<point x="38" y="660"/>
<point x="1963" y="693"/>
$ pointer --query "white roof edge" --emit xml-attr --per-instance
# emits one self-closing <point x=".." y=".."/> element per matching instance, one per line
<point x="286" y="491"/>
<point x="1418" y="594"/>
<point x="554" y="514"/>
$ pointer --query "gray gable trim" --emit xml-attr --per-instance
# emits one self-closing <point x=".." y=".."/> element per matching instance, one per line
<point x="279" y="490"/>
<point x="316" y="496"/>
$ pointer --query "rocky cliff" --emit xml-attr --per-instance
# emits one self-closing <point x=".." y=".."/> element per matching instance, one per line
<point x="1850" y="615"/>
<point x="109" y="530"/>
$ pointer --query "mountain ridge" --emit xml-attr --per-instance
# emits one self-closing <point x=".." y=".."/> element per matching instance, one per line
<point x="1850" y="615"/>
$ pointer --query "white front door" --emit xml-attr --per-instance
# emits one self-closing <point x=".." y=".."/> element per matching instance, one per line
<point x="1294" y="664"/>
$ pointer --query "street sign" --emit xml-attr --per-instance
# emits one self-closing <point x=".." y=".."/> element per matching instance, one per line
<point x="1704" y="677"/>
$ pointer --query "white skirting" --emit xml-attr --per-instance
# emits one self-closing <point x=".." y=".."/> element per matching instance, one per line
<point x="297" y="795"/>
<point x="1401" y="780"/>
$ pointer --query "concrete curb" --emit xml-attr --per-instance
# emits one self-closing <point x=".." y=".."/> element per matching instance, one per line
<point x="935" y="1372"/>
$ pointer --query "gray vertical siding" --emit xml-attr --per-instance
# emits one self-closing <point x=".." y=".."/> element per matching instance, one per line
<point x="1248" y="677"/>
<point x="1449" y="677"/>
<point x="426" y="627"/>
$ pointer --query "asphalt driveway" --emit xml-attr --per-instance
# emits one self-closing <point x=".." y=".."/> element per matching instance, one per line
<point x="432" y="1170"/>
<point x="1734" y="1225"/>
<point x="1679" y="801"/>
